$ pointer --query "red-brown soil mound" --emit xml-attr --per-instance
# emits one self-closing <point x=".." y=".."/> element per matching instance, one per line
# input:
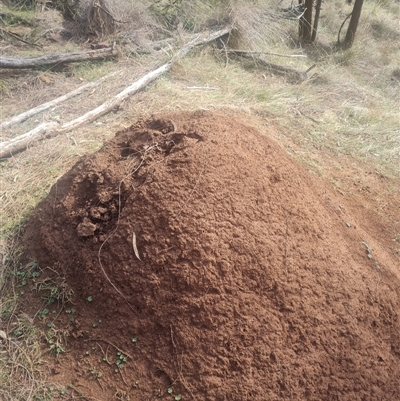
<point x="248" y="286"/>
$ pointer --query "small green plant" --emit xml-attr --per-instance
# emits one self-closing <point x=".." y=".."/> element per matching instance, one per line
<point x="43" y="313"/>
<point x="89" y="298"/>
<point x="96" y="373"/>
<point x="121" y="360"/>
<point x="54" y="339"/>
<point x="26" y="272"/>
<point x="54" y="292"/>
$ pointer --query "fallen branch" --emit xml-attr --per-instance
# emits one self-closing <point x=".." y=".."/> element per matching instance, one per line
<point x="17" y="37"/>
<point x="21" y="142"/>
<point x="270" y="54"/>
<point x="38" y="109"/>
<point x="300" y="75"/>
<point x="52" y="59"/>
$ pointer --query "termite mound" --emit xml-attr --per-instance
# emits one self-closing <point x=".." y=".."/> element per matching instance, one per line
<point x="219" y="265"/>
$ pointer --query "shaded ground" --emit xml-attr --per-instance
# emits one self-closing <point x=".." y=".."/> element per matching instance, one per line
<point x="253" y="282"/>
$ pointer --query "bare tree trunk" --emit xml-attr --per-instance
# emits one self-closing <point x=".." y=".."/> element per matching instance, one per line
<point x="52" y="59"/>
<point x="353" y="25"/>
<point x="316" y="20"/>
<point x="305" y="22"/>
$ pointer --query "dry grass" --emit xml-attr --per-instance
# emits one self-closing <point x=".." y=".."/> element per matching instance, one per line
<point x="20" y="348"/>
<point x="349" y="105"/>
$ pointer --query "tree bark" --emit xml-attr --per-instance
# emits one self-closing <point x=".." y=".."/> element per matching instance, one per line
<point x="52" y="59"/>
<point x="316" y="20"/>
<point x="353" y="25"/>
<point x="305" y="22"/>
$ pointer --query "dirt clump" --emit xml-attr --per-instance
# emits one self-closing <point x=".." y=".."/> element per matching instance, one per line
<point x="207" y="261"/>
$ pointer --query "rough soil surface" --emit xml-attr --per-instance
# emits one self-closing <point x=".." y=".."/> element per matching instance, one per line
<point x="250" y="284"/>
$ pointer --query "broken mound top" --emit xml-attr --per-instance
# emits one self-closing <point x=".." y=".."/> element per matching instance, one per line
<point x="199" y="237"/>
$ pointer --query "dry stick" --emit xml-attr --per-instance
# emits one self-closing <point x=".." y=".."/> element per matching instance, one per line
<point x="38" y="109"/>
<point x="271" y="54"/>
<point x="20" y="143"/>
<point x="277" y="67"/>
<point x="209" y="88"/>
<point x="109" y="343"/>
<point x="19" y="38"/>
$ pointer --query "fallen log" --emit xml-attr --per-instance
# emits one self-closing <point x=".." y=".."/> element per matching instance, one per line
<point x="52" y="59"/>
<point x="51" y="129"/>
<point x="299" y="75"/>
<point x="38" y="109"/>
<point x="268" y="53"/>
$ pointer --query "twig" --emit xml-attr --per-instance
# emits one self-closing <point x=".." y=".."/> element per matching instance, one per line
<point x="310" y="118"/>
<point x="309" y="69"/>
<point x="122" y="377"/>
<point x="109" y="343"/>
<point x="209" y="88"/>
<point x="19" y="38"/>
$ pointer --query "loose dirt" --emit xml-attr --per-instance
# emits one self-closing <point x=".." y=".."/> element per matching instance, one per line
<point x="203" y="259"/>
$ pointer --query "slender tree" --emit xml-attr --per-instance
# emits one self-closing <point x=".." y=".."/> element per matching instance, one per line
<point x="353" y="25"/>
<point x="305" y="23"/>
<point x="316" y="19"/>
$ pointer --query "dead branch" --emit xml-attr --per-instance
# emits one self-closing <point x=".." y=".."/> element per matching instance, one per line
<point x="38" y="109"/>
<point x="52" y="59"/>
<point x="300" y="75"/>
<point x="268" y="53"/>
<point x="21" y="142"/>
<point x="17" y="37"/>
<point x="51" y="129"/>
